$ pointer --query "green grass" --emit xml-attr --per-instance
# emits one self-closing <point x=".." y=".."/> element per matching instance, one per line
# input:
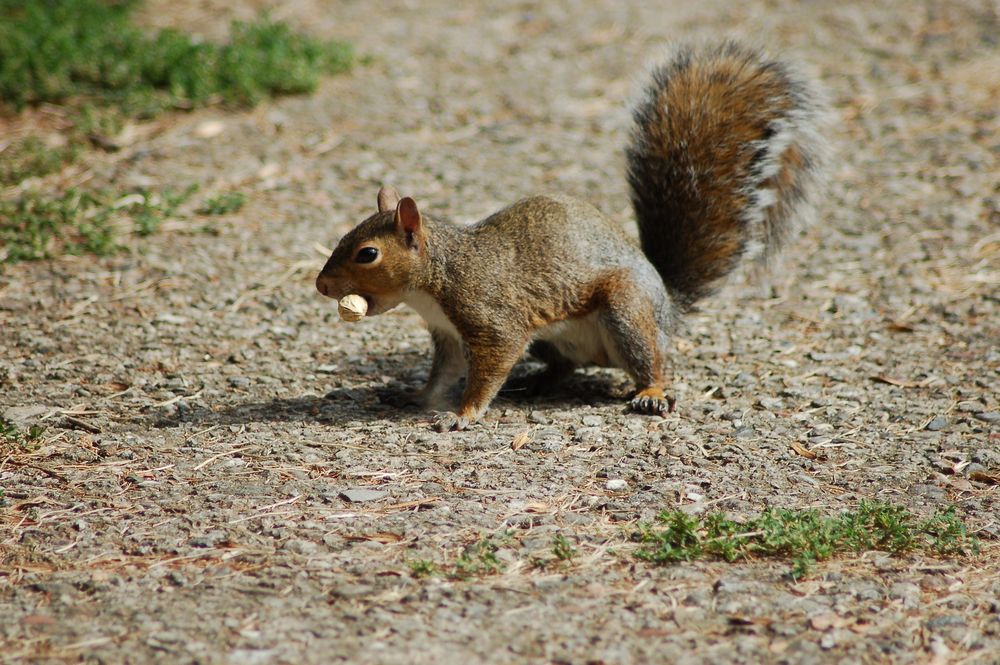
<point x="477" y="560"/>
<point x="424" y="568"/>
<point x="30" y="157"/>
<point x="562" y="550"/>
<point x="803" y="536"/>
<point x="56" y="50"/>
<point x="223" y="204"/>
<point x="39" y="226"/>
<point x="88" y="56"/>
<point x="13" y="439"/>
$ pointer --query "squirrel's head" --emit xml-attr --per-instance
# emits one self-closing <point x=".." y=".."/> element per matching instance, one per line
<point x="380" y="258"/>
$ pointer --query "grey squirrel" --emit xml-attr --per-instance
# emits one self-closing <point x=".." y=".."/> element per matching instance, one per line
<point x="724" y="157"/>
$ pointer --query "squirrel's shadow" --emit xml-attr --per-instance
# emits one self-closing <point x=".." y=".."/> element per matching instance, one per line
<point x="382" y="402"/>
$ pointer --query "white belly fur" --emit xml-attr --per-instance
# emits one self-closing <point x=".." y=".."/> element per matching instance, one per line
<point x="580" y="339"/>
<point x="430" y="311"/>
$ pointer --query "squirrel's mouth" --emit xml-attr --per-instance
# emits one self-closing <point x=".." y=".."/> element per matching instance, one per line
<point x="379" y="304"/>
<point x="373" y="304"/>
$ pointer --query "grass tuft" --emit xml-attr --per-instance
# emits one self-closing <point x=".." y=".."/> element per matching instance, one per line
<point x="223" y="204"/>
<point x="562" y="549"/>
<point x="477" y="560"/>
<point x="88" y="56"/>
<point x="30" y="157"/>
<point x="14" y="439"/>
<point x="39" y="226"/>
<point x="57" y="51"/>
<point x="803" y="536"/>
<point x="421" y="568"/>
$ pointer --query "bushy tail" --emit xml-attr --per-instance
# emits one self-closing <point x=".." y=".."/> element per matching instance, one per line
<point x="722" y="161"/>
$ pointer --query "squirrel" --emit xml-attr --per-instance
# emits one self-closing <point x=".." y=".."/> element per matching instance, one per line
<point x="723" y="161"/>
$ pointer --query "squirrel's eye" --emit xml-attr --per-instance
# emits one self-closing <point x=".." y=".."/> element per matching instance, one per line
<point x="366" y="255"/>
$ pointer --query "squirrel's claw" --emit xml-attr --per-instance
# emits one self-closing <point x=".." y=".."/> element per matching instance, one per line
<point x="651" y="404"/>
<point x="447" y="421"/>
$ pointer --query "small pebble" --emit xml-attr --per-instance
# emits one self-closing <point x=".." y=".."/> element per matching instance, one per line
<point x="362" y="495"/>
<point x="937" y="424"/>
<point x="616" y="485"/>
<point x="538" y="418"/>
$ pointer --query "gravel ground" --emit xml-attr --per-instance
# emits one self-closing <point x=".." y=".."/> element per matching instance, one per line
<point x="219" y="479"/>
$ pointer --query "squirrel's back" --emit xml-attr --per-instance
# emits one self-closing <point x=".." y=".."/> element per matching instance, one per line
<point x="724" y="155"/>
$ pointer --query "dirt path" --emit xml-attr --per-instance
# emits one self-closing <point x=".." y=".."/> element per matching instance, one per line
<point x="206" y="410"/>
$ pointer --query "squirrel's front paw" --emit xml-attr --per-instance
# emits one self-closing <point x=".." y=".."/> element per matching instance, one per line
<point x="448" y="421"/>
<point x="652" y="401"/>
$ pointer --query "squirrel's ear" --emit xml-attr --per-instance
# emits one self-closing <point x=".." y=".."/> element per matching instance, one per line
<point x="388" y="197"/>
<point x="407" y="218"/>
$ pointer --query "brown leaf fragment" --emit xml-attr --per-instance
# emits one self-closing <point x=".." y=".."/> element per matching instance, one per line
<point x="803" y="451"/>
<point x="521" y="440"/>
<point x="984" y="477"/>
<point x="427" y="502"/>
<point x="652" y="633"/>
<point x="77" y="423"/>
<point x="892" y="381"/>
<point x="384" y="538"/>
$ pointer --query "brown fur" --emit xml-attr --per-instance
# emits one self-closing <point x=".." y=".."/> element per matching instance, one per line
<point x="710" y="124"/>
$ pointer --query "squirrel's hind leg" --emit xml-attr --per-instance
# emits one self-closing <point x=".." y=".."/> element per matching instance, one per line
<point x="633" y="340"/>
<point x="557" y="368"/>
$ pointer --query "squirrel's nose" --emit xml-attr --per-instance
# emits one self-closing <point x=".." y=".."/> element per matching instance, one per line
<point x="322" y="286"/>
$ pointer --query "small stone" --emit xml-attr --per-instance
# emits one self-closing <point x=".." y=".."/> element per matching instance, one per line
<point x="239" y="382"/>
<point x="987" y="457"/>
<point x="616" y="485"/>
<point x="589" y="435"/>
<point x="551" y="445"/>
<point x="932" y="492"/>
<point x="300" y="546"/>
<point x="989" y="416"/>
<point x="592" y="421"/>
<point x="771" y="403"/>
<point x="538" y="418"/>
<point x="21" y="416"/>
<point x="328" y="369"/>
<point x="362" y="495"/>
<point x="827" y="642"/>
<point x="523" y="521"/>
<point x="937" y="424"/>
<point x="209" y="129"/>
<point x="907" y="593"/>
<point x="353" y="590"/>
<point x="210" y="539"/>
<point x="945" y="621"/>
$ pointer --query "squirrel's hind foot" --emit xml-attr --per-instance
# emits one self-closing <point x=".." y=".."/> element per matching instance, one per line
<point x="653" y="402"/>
<point x="448" y="421"/>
